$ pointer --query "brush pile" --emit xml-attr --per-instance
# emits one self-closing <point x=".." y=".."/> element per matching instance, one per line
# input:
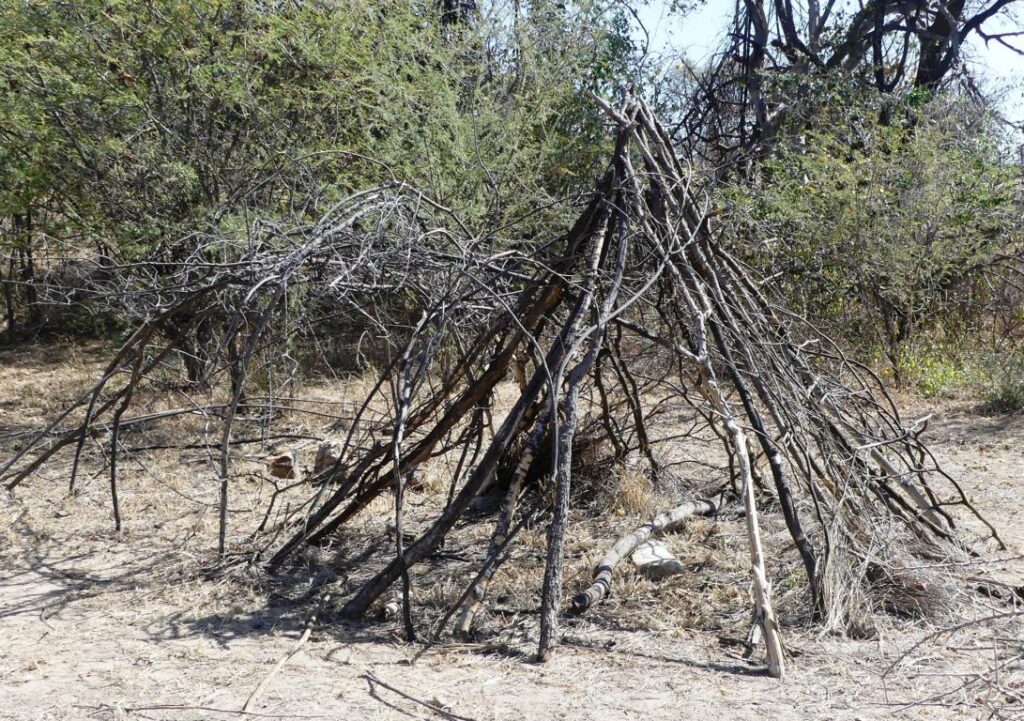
<point x="640" y="274"/>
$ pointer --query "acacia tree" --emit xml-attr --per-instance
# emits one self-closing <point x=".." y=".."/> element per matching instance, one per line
<point x="127" y="128"/>
<point x="855" y="141"/>
<point x="779" y="53"/>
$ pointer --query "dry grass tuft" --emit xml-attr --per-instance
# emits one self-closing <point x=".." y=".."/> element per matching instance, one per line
<point x="631" y="493"/>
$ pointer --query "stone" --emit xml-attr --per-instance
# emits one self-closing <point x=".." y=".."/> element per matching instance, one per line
<point x="284" y="465"/>
<point x="416" y="479"/>
<point x="654" y="560"/>
<point x="392" y="608"/>
<point x="327" y="455"/>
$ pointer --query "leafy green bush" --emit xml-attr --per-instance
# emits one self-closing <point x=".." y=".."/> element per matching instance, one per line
<point x="127" y="126"/>
<point x="934" y="370"/>
<point x="882" y="231"/>
<point x="993" y="376"/>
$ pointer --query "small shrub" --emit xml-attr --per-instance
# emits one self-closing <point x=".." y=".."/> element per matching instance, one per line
<point x="934" y="370"/>
<point x="1001" y="379"/>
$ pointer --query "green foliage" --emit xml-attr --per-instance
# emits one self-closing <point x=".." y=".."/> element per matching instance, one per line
<point x="883" y="230"/>
<point x="994" y="376"/>
<point x="128" y="128"/>
<point x="934" y="370"/>
<point x="135" y="122"/>
<point x="1001" y="380"/>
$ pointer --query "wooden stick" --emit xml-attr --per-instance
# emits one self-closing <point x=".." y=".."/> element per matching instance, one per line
<point x="374" y="679"/>
<point x="307" y="631"/>
<point x="475" y="600"/>
<point x="277" y="667"/>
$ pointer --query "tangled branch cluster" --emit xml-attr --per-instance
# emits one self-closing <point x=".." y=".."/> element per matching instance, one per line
<point x="640" y="274"/>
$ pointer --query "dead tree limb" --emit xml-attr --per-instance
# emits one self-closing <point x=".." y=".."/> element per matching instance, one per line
<point x="662" y="523"/>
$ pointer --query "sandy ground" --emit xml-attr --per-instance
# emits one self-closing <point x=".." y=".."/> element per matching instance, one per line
<point x="98" y="625"/>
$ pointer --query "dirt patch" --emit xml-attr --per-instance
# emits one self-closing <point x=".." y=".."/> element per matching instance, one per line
<point x="102" y="625"/>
